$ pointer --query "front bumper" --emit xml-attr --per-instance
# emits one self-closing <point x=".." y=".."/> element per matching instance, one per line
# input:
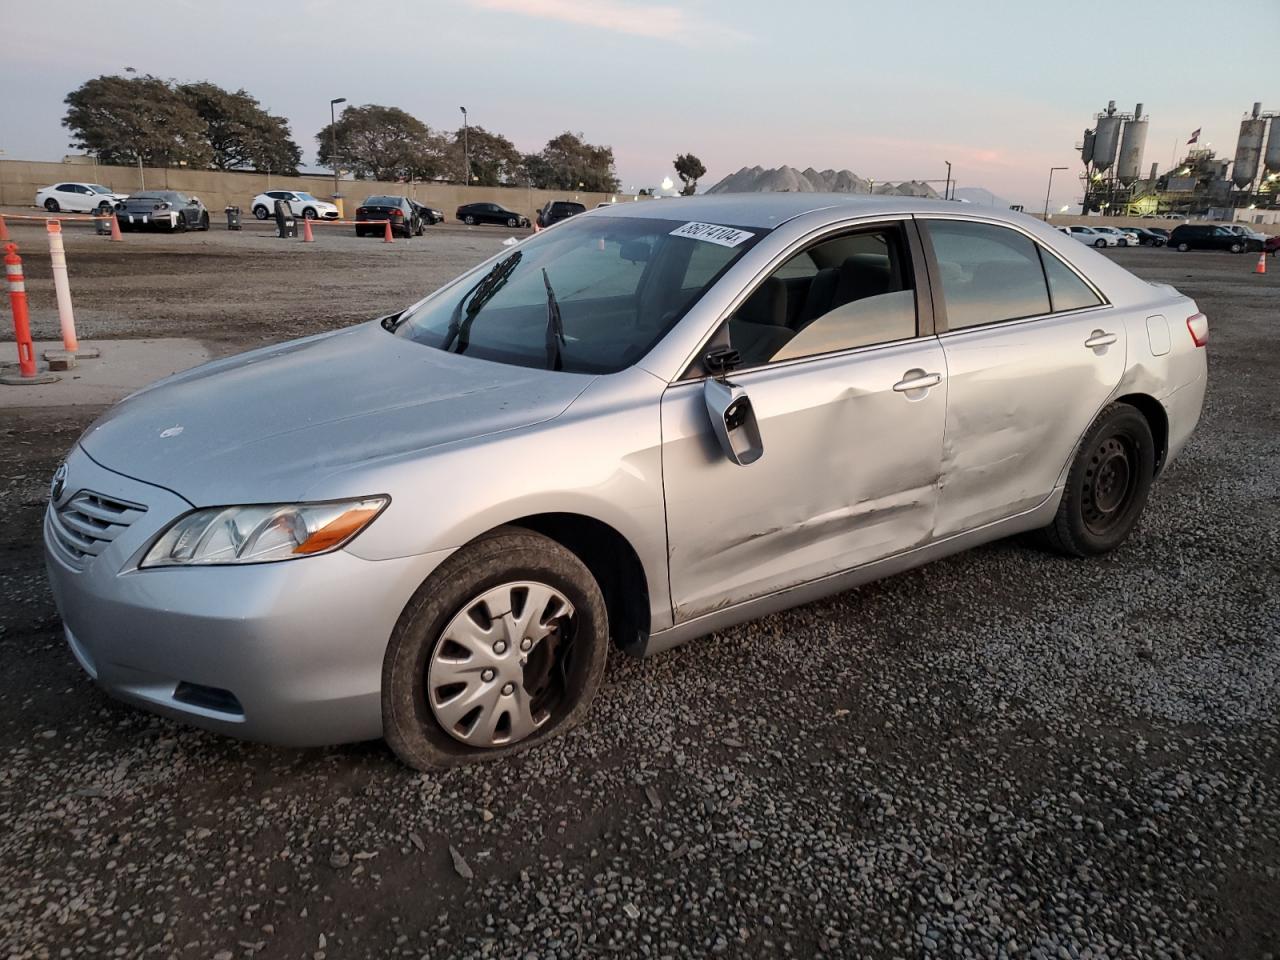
<point x="292" y="652"/>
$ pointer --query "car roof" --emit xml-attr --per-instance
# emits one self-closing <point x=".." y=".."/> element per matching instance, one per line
<point x="772" y="209"/>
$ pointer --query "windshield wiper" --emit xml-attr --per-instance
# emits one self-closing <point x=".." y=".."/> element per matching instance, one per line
<point x="555" y="327"/>
<point x="474" y="301"/>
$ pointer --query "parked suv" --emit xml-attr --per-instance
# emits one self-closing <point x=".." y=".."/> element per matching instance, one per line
<point x="1208" y="236"/>
<point x="557" y="210"/>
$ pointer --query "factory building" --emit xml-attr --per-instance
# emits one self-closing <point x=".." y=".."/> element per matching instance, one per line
<point x="1201" y="184"/>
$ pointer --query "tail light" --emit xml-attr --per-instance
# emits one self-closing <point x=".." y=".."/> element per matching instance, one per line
<point x="397" y="213"/>
<point x="1198" y="327"/>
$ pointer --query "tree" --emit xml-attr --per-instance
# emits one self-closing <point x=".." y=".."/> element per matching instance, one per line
<point x="690" y="169"/>
<point x="123" y="120"/>
<point x="495" y="161"/>
<point x="240" y="133"/>
<point x="569" y="163"/>
<point x="383" y="143"/>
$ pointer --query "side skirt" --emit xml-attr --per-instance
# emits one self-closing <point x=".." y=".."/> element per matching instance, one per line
<point x="682" y="633"/>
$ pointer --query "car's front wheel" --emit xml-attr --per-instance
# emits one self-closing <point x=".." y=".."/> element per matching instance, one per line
<point x="502" y="647"/>
<point x="511" y="221"/>
<point x="1183" y="248"/>
<point x="1099" y="242"/>
<point x="1107" y="485"/>
<point x="261" y="212"/>
<point x="204" y="222"/>
<point x="469" y="220"/>
<point x="180" y="225"/>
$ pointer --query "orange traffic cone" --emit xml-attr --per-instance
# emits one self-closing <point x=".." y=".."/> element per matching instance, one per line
<point x="1262" y="263"/>
<point x="4" y="231"/>
<point x="387" y="237"/>
<point x="115" y="228"/>
<point x="306" y="231"/>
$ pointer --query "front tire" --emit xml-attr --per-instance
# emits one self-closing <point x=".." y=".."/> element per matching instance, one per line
<point x="180" y="225"/>
<point x="1099" y="242"/>
<point x="511" y="221"/>
<point x="261" y="212"/>
<point x="503" y="647"/>
<point x="204" y="222"/>
<point x="1107" y="485"/>
<point x="1183" y="248"/>
<point x="309" y="213"/>
<point x="469" y="220"/>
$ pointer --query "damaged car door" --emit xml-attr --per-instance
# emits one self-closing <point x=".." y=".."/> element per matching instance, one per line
<point x="845" y="387"/>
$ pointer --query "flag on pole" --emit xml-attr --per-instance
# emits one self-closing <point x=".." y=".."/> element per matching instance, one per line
<point x="1194" y="137"/>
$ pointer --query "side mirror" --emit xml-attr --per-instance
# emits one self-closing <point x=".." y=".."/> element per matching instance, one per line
<point x="733" y="421"/>
<point x="194" y="201"/>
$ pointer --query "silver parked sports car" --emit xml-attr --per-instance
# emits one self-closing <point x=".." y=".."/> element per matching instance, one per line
<point x="655" y="421"/>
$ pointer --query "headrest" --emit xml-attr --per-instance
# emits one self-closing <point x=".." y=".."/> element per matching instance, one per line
<point x="767" y="306"/>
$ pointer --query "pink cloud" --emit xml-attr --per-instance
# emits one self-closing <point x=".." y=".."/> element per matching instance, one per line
<point x="653" y="20"/>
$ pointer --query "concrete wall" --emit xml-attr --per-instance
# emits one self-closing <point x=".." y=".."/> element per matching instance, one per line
<point x="20" y="179"/>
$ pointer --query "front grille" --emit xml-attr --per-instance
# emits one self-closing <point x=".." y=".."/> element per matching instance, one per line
<point x="84" y="525"/>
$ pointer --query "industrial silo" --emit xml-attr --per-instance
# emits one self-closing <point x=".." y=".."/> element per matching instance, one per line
<point x="1086" y="148"/>
<point x="1106" y="138"/>
<point x="1248" y="149"/>
<point x="1132" y="142"/>
<point x="1271" y="162"/>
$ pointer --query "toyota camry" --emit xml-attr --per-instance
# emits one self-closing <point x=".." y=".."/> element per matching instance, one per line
<point x="655" y="421"/>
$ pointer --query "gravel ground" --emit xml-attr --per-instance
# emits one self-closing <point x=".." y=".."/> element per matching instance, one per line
<point x="1004" y="754"/>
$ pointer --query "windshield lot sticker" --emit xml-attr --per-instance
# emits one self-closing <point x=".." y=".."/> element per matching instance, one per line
<point x="711" y="233"/>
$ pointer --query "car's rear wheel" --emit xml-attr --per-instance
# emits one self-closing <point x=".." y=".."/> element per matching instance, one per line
<point x="1107" y="485"/>
<point x="1183" y="248"/>
<point x="1099" y="242"/>
<point x="469" y="220"/>
<point x="501" y="648"/>
<point x="261" y="212"/>
<point x="52" y="205"/>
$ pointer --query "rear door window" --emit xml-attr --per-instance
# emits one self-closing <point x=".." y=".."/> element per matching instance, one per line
<point x="1066" y="290"/>
<point x="989" y="273"/>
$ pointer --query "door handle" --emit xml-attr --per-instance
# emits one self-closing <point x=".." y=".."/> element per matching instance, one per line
<point x="1100" y="339"/>
<point x="917" y="380"/>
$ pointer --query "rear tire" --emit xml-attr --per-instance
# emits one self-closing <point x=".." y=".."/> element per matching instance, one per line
<point x="1107" y="485"/>
<point x="1183" y="248"/>
<point x="1237" y="248"/>
<point x="1099" y="242"/>
<point x="52" y="205"/>
<point x="558" y="677"/>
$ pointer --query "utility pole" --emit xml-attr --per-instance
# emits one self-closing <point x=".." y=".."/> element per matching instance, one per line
<point x="946" y="191"/>
<point x="466" y="151"/>
<point x="1047" y="189"/>
<point x="333" y="141"/>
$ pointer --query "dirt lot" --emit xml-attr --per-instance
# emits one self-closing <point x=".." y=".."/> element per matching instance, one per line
<point x="1004" y="754"/>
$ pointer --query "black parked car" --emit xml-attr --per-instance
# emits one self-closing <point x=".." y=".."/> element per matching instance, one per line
<point x="163" y="209"/>
<point x="490" y="213"/>
<point x="401" y="211"/>
<point x="1206" y="236"/>
<point x="428" y="215"/>
<point x="1148" y="238"/>
<point x="557" y="210"/>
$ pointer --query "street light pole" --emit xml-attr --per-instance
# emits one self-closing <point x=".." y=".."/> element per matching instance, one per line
<point x="1048" y="189"/>
<point x="466" y="151"/>
<point x="946" y="191"/>
<point x="333" y="140"/>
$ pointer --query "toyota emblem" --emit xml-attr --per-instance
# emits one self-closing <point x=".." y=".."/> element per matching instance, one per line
<point x="58" y="484"/>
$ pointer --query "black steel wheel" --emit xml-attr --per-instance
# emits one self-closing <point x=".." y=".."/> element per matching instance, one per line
<point x="1107" y="485"/>
<point x="503" y="647"/>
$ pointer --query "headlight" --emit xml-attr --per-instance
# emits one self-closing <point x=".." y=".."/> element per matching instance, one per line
<point x="260" y="534"/>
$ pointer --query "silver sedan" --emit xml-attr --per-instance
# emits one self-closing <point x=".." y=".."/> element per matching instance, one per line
<point x="645" y="424"/>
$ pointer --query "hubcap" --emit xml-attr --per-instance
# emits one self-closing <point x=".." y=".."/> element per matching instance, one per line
<point x="498" y="672"/>
<point x="1108" y="484"/>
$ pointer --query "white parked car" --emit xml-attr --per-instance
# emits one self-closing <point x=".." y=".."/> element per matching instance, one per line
<point x="1094" y="236"/>
<point x="78" y="198"/>
<point x="1124" y="238"/>
<point x="303" y="205"/>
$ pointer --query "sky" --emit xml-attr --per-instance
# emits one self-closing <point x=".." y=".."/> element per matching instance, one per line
<point x="891" y="91"/>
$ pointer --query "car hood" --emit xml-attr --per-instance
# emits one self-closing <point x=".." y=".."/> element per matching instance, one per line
<point x="266" y="426"/>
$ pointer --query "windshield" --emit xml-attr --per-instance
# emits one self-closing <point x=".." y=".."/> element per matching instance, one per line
<point x="591" y="296"/>
<point x="99" y="188"/>
<point x="303" y="196"/>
